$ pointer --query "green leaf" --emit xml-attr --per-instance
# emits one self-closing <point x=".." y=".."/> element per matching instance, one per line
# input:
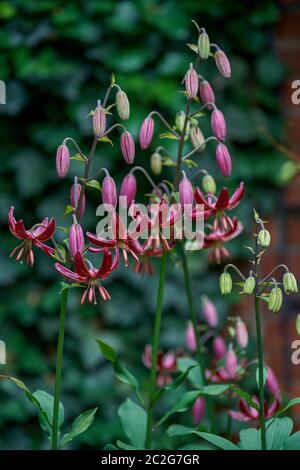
<point x="175" y="383"/>
<point x="77" y="157"/>
<point x="193" y="47"/>
<point x="168" y="135"/>
<point x="195" y="374"/>
<point x="278" y="432"/>
<point x="133" y="419"/>
<point x="245" y="396"/>
<point x="107" y="351"/>
<point x="68" y="210"/>
<point x="113" y="79"/>
<point x="214" y="390"/>
<point x="250" y="439"/>
<point x="168" y="161"/>
<point x="80" y="424"/>
<point x="190" y="163"/>
<point x="177" y="430"/>
<point x="293" y="442"/>
<point x="292" y="402"/>
<point x="110" y="447"/>
<point x="265" y="374"/>
<point x="93" y="184"/>
<point x="106" y="140"/>
<point x="46" y="402"/>
<point x="124" y="446"/>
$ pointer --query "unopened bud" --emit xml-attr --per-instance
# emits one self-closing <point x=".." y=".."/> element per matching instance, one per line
<point x="186" y="193"/>
<point x="219" y="347"/>
<point x="146" y="133"/>
<point x="241" y="334"/>
<point x="209" y="184"/>
<point x="190" y="338"/>
<point x="99" y="121"/>
<point x="198" y="410"/>
<point x="128" y="190"/>
<point x="231" y="363"/>
<point x="204" y="45"/>
<point x="223" y="63"/>
<point x="207" y="93"/>
<point x="264" y="238"/>
<point x="197" y="139"/>
<point x="76" y="239"/>
<point x="209" y="312"/>
<point x="275" y="300"/>
<point x="156" y="163"/>
<point x="225" y="283"/>
<point x="122" y="105"/>
<point x="218" y="124"/>
<point x="290" y="283"/>
<point x="75" y="198"/>
<point x="223" y="159"/>
<point x="191" y="82"/>
<point x="127" y="147"/>
<point x="109" y="191"/>
<point x="249" y="285"/>
<point x="62" y="161"/>
<point x="180" y="120"/>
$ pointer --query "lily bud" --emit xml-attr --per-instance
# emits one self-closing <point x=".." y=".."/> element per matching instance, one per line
<point x="209" y="312"/>
<point x="219" y="347"/>
<point x="180" y="120"/>
<point x="146" y="133"/>
<point x="197" y="139"/>
<point x="209" y="184"/>
<point x="231" y="363"/>
<point x="156" y="163"/>
<point x="204" y="45"/>
<point x="127" y="147"/>
<point x="122" y="103"/>
<point x="191" y="82"/>
<point x="290" y="283"/>
<point x="223" y="159"/>
<point x="241" y="334"/>
<point x="218" y="124"/>
<point x="264" y="238"/>
<point x="128" y="190"/>
<point x="99" y="121"/>
<point x="225" y="283"/>
<point x="75" y="197"/>
<point x="198" y="410"/>
<point x="76" y="239"/>
<point x="62" y="161"/>
<point x="223" y="63"/>
<point x="109" y="191"/>
<point x="275" y="300"/>
<point x="190" y="338"/>
<point x="207" y="93"/>
<point x="249" y="285"/>
<point x="186" y="193"/>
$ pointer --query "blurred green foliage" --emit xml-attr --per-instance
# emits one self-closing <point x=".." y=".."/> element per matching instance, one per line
<point x="56" y="58"/>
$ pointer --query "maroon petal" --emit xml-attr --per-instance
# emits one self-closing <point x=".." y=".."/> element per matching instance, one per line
<point x="223" y="200"/>
<point x="237" y="196"/>
<point x="46" y="249"/>
<point x="238" y="416"/>
<point x="68" y="274"/>
<point x="80" y="266"/>
<point x="47" y="232"/>
<point x="20" y="230"/>
<point x="200" y="199"/>
<point x="105" y="268"/>
<point x="12" y="223"/>
<point x="103" y="242"/>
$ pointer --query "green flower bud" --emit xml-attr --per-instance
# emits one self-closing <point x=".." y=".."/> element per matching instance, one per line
<point x="180" y="119"/>
<point x="122" y="105"/>
<point x="225" y="283"/>
<point x="249" y="285"/>
<point x="290" y="283"/>
<point x="209" y="184"/>
<point x="275" y="300"/>
<point x="264" y="238"/>
<point x="197" y="139"/>
<point x="156" y="163"/>
<point x="204" y="46"/>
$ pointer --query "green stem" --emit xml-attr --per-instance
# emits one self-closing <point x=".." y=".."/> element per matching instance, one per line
<point x="156" y="332"/>
<point x="193" y="318"/>
<point x="260" y="375"/>
<point x="58" y="372"/>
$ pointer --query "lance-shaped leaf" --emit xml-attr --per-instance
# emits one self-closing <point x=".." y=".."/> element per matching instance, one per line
<point x="80" y="424"/>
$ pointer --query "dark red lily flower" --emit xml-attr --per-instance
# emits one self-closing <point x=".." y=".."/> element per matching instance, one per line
<point x="122" y="240"/>
<point x="144" y="267"/>
<point x="163" y="217"/>
<point x="248" y="413"/>
<point x="222" y="203"/>
<point x="90" y="276"/>
<point x="37" y="235"/>
<point x="166" y="364"/>
<point x="220" y="235"/>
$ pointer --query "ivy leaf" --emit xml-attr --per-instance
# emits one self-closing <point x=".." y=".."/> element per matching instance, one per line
<point x="80" y="424"/>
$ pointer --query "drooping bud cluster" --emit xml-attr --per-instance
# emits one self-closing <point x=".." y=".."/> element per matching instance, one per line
<point x="275" y="299"/>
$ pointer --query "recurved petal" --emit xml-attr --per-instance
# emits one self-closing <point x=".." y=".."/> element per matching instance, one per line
<point x="47" y="232"/>
<point x="237" y="196"/>
<point x="238" y="416"/>
<point x="80" y="266"/>
<point x="102" y="242"/>
<point x="223" y="200"/>
<point x="68" y="273"/>
<point x="46" y="249"/>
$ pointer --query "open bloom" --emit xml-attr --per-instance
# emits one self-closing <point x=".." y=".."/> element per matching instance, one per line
<point x="249" y="413"/>
<point x="218" y="205"/>
<point x="232" y="370"/>
<point x="220" y="235"/>
<point x="166" y="364"/>
<point x="37" y="235"/>
<point x="90" y="276"/>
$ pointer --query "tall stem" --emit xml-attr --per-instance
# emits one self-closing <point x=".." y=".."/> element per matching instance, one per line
<point x="156" y="332"/>
<point x="58" y="372"/>
<point x="193" y="318"/>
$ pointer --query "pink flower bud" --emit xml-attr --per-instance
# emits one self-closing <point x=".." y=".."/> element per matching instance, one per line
<point x="109" y="191"/>
<point x="76" y="239"/>
<point x="209" y="312"/>
<point x="75" y="197"/>
<point x="146" y="133"/>
<point x="62" y="161"/>
<point x="272" y="384"/>
<point x="99" y="121"/>
<point x="207" y="93"/>
<point x="231" y="363"/>
<point x="190" y="338"/>
<point x="219" y="347"/>
<point x="191" y="82"/>
<point x="223" y="159"/>
<point x="218" y="124"/>
<point x="127" y="147"/>
<point x="241" y="334"/>
<point x="128" y="190"/>
<point x="223" y="63"/>
<point x="186" y="193"/>
<point x="198" y="410"/>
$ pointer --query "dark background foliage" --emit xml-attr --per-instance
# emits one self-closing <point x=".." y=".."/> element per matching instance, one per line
<point x="56" y="59"/>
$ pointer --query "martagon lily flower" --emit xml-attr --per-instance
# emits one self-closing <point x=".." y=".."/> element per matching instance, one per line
<point x="37" y="235"/>
<point x="90" y="276"/>
<point x="166" y="364"/>
<point x="218" y="236"/>
<point x="217" y="206"/>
